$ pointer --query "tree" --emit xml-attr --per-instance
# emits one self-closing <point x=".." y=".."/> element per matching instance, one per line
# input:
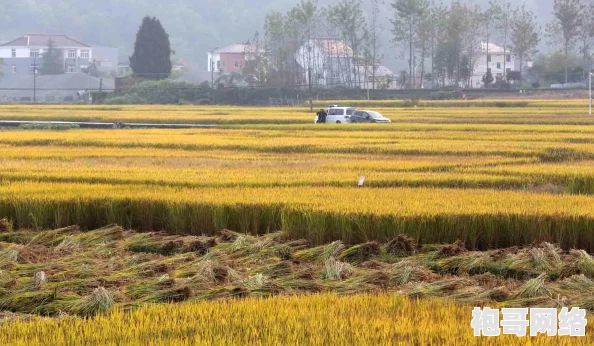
<point x="490" y="19"/>
<point x="258" y="67"/>
<point x="275" y="45"/>
<point x="503" y="25"/>
<point x="374" y="44"/>
<point x="525" y="34"/>
<point x="586" y="33"/>
<point x="347" y="16"/>
<point x="152" y="51"/>
<point x="471" y="42"/>
<point x="565" y="27"/>
<point x="488" y="78"/>
<point x="408" y="14"/>
<point x="52" y="61"/>
<point x="301" y="21"/>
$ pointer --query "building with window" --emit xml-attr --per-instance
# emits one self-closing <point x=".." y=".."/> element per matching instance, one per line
<point x="331" y="61"/>
<point x="230" y="59"/>
<point x="23" y="55"/>
<point x="500" y="63"/>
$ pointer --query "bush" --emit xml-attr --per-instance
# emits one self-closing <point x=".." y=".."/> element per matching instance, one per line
<point x="161" y="92"/>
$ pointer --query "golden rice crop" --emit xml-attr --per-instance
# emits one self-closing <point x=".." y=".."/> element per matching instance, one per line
<point x="299" y="320"/>
<point x="476" y="111"/>
<point x="435" y="173"/>
<point x="484" y="218"/>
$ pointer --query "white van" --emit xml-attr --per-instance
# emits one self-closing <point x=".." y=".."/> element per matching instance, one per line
<point x="338" y="115"/>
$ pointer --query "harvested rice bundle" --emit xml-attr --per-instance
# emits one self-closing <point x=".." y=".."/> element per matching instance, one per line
<point x="401" y="246"/>
<point x="535" y="288"/>
<point x="360" y="253"/>
<point x="320" y="253"/>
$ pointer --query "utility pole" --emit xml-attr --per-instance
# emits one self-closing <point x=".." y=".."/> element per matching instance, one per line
<point x="34" y="78"/>
<point x="590" y="93"/>
<point x="212" y="67"/>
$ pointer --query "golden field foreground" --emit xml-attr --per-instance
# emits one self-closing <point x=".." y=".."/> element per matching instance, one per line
<point x="512" y="181"/>
<point x="309" y="320"/>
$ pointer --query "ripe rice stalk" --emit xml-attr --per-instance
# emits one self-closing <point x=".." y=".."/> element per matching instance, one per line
<point x="360" y="253"/>
<point x="69" y="243"/>
<point x="336" y="270"/>
<point x="580" y="283"/>
<point x="54" y="237"/>
<point x="465" y="264"/>
<point x="173" y="295"/>
<point x="242" y="242"/>
<point x="320" y="253"/>
<point x="40" y="279"/>
<point x="535" y="288"/>
<point x="99" y="301"/>
<point x="407" y="271"/>
<point x="10" y="254"/>
<point x="255" y="282"/>
<point x="583" y="262"/>
<point x="445" y="287"/>
<point x="102" y="235"/>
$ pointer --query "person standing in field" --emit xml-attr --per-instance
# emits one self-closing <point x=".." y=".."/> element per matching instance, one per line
<point x="322" y="116"/>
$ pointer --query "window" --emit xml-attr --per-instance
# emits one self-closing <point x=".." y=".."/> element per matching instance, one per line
<point x="489" y="58"/>
<point x="218" y="64"/>
<point x="13" y="53"/>
<point x="34" y="53"/>
<point x="14" y="70"/>
<point x="71" y="68"/>
<point x="236" y="63"/>
<point x="508" y="58"/>
<point x="33" y="69"/>
<point x="498" y="65"/>
<point x="72" y="54"/>
<point x="335" y="111"/>
<point x="84" y="54"/>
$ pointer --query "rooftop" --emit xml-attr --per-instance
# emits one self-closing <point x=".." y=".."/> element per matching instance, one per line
<point x="234" y="48"/>
<point x="40" y="40"/>
<point x="333" y="47"/>
<point x="493" y="48"/>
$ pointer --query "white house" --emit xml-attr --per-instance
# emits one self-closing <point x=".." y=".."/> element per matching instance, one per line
<point x="331" y="62"/>
<point x="497" y="60"/>
<point x="24" y="54"/>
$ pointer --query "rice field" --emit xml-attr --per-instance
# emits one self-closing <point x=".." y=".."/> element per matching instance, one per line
<point x="311" y="320"/>
<point x="493" y="175"/>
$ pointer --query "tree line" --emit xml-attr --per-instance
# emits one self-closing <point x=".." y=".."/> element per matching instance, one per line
<point x="440" y="43"/>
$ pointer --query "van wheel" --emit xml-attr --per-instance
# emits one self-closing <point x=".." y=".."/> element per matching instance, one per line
<point x="338" y="121"/>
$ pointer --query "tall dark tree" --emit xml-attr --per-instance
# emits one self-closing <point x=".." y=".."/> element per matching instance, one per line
<point x="52" y="63"/>
<point x="152" y="51"/>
